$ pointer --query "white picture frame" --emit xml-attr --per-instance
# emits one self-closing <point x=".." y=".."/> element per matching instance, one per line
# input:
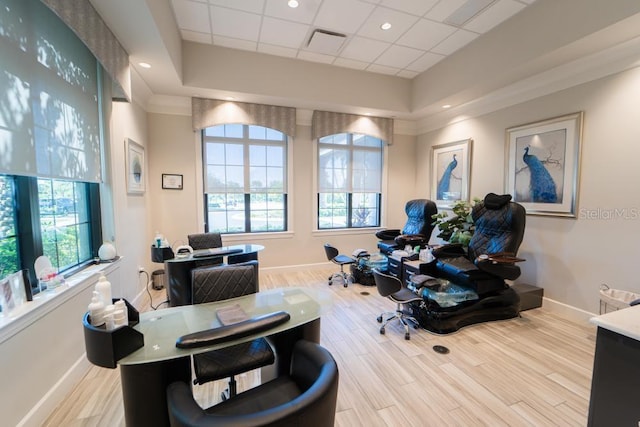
<point x="135" y="167"/>
<point x="450" y="172"/>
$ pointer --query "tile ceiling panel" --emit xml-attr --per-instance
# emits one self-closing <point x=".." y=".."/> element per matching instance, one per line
<point x="418" y="37"/>
<point x="454" y="42"/>
<point x="401" y="23"/>
<point x="235" y="23"/>
<point x="426" y="34"/>
<point x="362" y="49"/>
<point x="343" y="16"/>
<point x="304" y="13"/>
<point x="283" y="33"/>
<point x="414" y="7"/>
<point x="398" y="56"/>
<point x="255" y="6"/>
<point x="193" y="16"/>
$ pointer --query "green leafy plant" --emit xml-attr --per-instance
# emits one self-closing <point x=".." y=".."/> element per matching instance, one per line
<point x="458" y="228"/>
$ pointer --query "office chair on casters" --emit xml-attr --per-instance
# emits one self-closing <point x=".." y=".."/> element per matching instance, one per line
<point x="220" y="283"/>
<point x="391" y="287"/>
<point x="335" y="257"/>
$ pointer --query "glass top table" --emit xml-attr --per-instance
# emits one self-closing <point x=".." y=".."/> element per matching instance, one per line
<point x="163" y="327"/>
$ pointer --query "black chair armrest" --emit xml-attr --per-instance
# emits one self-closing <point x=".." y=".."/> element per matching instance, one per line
<point x="451" y="250"/>
<point x="234" y="331"/>
<point x="507" y="271"/>
<point x="388" y="234"/>
<point x="411" y="240"/>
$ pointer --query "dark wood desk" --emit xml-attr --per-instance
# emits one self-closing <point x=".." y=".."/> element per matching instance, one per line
<point x="616" y="371"/>
<point x="178" y="269"/>
<point x="146" y="372"/>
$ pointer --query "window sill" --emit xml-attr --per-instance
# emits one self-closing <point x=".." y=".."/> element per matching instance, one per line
<point x="47" y="301"/>
<point x="346" y="231"/>
<point x="247" y="237"/>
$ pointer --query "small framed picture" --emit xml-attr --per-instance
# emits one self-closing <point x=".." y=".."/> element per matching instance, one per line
<point x="135" y="167"/>
<point x="171" y="181"/>
<point x="450" y="172"/>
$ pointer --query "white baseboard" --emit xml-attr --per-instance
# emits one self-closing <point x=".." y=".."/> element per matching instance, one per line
<point x="45" y="406"/>
<point x="566" y="311"/>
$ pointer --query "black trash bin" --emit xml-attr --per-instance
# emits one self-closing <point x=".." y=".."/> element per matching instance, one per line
<point x="158" y="279"/>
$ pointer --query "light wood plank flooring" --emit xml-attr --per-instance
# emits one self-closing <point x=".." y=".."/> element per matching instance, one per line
<point x="531" y="371"/>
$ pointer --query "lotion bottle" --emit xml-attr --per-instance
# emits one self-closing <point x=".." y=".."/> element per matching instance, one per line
<point x="103" y="287"/>
<point x="96" y="310"/>
<point x="120" y="306"/>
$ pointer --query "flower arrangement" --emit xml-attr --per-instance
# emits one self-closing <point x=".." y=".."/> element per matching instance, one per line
<point x="458" y="228"/>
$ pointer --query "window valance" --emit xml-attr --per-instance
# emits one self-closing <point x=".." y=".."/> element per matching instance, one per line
<point x="212" y="112"/>
<point x="86" y="23"/>
<point x="325" y="123"/>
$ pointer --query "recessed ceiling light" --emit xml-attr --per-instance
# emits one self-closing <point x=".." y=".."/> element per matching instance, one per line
<point x="293" y="3"/>
<point x="385" y="26"/>
<point x="445" y="106"/>
<point x="144" y="64"/>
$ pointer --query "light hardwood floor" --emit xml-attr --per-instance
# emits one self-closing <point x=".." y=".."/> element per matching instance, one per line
<point x="530" y="371"/>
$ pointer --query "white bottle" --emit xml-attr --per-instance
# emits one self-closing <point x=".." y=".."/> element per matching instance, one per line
<point x="109" y="320"/>
<point x="158" y="240"/>
<point x="103" y="287"/>
<point x="96" y="310"/>
<point x="123" y="317"/>
<point x="119" y="318"/>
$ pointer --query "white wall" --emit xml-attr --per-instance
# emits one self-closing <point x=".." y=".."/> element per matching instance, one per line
<point x="570" y="258"/>
<point x="133" y="232"/>
<point x="174" y="148"/>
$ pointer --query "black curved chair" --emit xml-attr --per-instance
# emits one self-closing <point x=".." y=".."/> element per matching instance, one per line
<point x="391" y="287"/>
<point x="335" y="257"/>
<point x="219" y="283"/>
<point x="417" y="230"/>
<point x="491" y="256"/>
<point x="305" y="397"/>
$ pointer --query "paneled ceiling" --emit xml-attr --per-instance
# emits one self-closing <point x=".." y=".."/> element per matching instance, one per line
<point x="346" y="33"/>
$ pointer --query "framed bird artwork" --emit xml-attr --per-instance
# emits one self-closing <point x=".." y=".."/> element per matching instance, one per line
<point x="543" y="165"/>
<point x="450" y="172"/>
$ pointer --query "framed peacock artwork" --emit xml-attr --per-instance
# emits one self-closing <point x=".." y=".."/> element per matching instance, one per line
<point x="543" y="165"/>
<point x="450" y="172"/>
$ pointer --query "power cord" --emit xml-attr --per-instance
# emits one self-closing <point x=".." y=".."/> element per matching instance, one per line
<point x="149" y="283"/>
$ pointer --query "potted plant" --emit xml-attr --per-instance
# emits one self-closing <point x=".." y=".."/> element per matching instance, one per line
<point x="458" y="228"/>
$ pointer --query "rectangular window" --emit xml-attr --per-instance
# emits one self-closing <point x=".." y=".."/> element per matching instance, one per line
<point x="50" y="134"/>
<point x="349" y="181"/>
<point x="9" y="258"/>
<point x="245" y="175"/>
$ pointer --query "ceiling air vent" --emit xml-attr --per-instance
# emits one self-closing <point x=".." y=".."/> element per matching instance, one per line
<point x="468" y="10"/>
<point x="326" y="42"/>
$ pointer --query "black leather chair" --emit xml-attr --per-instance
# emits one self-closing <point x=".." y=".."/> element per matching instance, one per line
<point x="391" y="287"/>
<point x="416" y="231"/>
<point x="491" y="257"/>
<point x="219" y="283"/>
<point x="205" y="240"/>
<point x="335" y="257"/>
<point x="306" y="397"/>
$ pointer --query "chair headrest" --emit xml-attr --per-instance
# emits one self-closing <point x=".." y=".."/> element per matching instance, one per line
<point x="494" y="201"/>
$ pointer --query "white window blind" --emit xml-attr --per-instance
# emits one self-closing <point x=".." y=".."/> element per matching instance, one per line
<point x="48" y="96"/>
<point x="350" y="163"/>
